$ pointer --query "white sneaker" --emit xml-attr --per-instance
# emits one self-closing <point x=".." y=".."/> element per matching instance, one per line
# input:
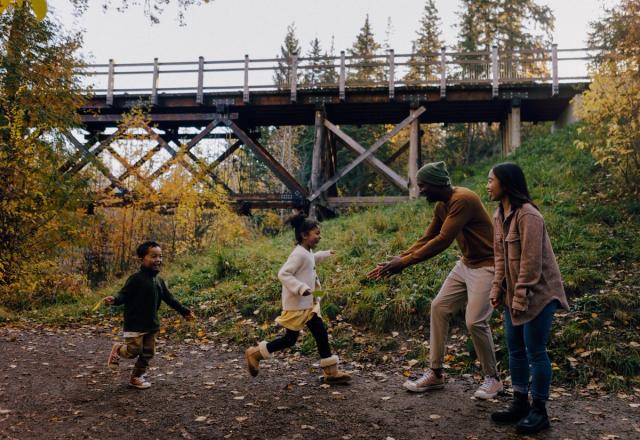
<point x="489" y="388"/>
<point x="428" y="381"/>
<point x="139" y="382"/>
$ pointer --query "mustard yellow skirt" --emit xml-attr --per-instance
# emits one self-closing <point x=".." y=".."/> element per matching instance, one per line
<point x="297" y="319"/>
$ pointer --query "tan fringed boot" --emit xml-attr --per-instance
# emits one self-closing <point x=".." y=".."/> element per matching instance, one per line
<point x="254" y="355"/>
<point x="331" y="372"/>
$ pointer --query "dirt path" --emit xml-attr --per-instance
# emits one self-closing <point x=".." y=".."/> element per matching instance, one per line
<point x="54" y="385"/>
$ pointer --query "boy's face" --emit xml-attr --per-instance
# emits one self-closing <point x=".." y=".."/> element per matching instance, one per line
<point x="153" y="259"/>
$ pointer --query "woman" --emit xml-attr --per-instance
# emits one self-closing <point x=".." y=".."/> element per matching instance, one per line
<point x="528" y="285"/>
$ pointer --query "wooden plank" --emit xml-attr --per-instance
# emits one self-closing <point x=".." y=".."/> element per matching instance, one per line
<point x="276" y="168"/>
<point x="154" y="82"/>
<point x="414" y="142"/>
<point x="365" y="201"/>
<point x="228" y="152"/>
<point x="154" y="117"/>
<point x="200" y="93"/>
<point x="364" y="155"/>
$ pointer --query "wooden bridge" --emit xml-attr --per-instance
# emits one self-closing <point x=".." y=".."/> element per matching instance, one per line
<point x="232" y="99"/>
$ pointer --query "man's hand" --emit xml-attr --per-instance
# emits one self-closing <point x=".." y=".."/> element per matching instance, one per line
<point x="393" y="266"/>
<point x="108" y="300"/>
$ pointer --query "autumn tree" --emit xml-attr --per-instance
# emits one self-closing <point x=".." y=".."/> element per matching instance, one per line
<point x="41" y="209"/>
<point x="611" y="107"/>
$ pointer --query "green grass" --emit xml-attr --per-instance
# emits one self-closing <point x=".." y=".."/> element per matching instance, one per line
<point x="595" y="233"/>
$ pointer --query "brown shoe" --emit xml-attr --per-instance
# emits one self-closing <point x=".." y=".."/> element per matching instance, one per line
<point x="139" y="382"/>
<point x="254" y="355"/>
<point x="331" y="372"/>
<point x="113" y="361"/>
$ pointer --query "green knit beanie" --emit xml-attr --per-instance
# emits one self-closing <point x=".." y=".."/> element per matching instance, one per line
<point x="434" y="173"/>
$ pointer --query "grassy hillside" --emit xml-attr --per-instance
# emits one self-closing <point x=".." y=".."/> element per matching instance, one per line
<point x="594" y="232"/>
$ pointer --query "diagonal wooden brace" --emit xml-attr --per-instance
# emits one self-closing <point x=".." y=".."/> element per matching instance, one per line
<point x="263" y="154"/>
<point x="90" y="156"/>
<point x="367" y="155"/>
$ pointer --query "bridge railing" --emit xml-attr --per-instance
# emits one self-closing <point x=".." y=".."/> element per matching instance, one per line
<point x="343" y="72"/>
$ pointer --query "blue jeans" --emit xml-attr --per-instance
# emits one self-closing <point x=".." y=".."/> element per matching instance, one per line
<point x="527" y="345"/>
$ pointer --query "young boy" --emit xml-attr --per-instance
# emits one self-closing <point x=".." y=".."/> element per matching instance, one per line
<point x="141" y="296"/>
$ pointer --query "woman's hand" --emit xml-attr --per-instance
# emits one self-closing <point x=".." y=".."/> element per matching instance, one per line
<point x="495" y="302"/>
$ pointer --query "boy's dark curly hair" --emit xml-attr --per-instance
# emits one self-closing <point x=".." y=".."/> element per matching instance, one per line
<point x="143" y="249"/>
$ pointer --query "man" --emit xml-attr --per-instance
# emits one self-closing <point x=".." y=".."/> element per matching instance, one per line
<point x="460" y="215"/>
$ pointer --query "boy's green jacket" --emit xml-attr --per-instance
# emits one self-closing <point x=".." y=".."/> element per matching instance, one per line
<point x="141" y="296"/>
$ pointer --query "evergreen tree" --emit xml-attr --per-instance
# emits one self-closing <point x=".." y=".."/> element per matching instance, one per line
<point x="363" y="52"/>
<point x="290" y="46"/>
<point x="428" y="42"/>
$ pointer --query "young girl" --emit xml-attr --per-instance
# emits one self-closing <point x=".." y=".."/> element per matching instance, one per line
<point x="528" y="285"/>
<point x="300" y="309"/>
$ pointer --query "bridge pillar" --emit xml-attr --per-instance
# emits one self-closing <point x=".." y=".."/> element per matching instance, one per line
<point x="316" y="160"/>
<point x="510" y="128"/>
<point x="569" y="115"/>
<point x="414" y="150"/>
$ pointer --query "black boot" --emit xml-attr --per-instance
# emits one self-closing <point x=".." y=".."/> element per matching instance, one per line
<point x="518" y="409"/>
<point x="536" y="421"/>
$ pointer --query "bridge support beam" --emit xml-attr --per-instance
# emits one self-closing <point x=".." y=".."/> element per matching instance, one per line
<point x="317" y="156"/>
<point x="510" y="128"/>
<point x="414" y="152"/>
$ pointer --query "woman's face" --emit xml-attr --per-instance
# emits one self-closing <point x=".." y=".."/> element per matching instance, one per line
<point x="494" y="189"/>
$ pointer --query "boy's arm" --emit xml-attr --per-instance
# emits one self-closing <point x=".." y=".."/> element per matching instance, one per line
<point x="431" y="245"/>
<point x="125" y="292"/>
<point x="172" y="301"/>
<point x="286" y="275"/>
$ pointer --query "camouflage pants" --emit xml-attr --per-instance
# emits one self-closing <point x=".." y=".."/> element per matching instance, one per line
<point x="142" y="347"/>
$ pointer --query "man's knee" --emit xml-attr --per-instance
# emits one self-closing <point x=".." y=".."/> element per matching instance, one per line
<point x="477" y="326"/>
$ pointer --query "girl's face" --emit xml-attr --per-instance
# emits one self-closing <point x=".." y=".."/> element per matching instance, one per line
<point x="312" y="238"/>
<point x="153" y="259"/>
<point x="494" y="189"/>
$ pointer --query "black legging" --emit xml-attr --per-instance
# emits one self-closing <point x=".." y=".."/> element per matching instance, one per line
<point x="317" y="329"/>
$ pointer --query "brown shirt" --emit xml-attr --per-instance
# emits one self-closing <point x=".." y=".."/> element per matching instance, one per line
<point x="527" y="276"/>
<point x="462" y="218"/>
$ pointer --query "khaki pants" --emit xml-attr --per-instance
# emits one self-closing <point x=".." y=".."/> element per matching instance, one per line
<point x="143" y="347"/>
<point x="471" y="287"/>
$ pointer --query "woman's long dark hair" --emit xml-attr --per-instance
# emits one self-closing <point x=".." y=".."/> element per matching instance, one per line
<point x="513" y="183"/>
<point x="301" y="225"/>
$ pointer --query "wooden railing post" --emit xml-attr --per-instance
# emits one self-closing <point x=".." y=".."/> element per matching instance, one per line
<point x="392" y="83"/>
<point x="555" y="88"/>
<point x="154" y="84"/>
<point x="494" y="71"/>
<point x="343" y="76"/>
<point x="245" y="90"/>
<point x="293" y="80"/>
<point x="200" y="95"/>
<point x="443" y="73"/>
<point x="110" y="82"/>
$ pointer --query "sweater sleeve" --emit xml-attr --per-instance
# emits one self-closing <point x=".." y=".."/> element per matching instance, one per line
<point x="125" y="293"/>
<point x="286" y="275"/>
<point x="171" y="300"/>
<point x="439" y="236"/>
<point x="531" y="229"/>
<point x="320" y="256"/>
<point x="498" y="256"/>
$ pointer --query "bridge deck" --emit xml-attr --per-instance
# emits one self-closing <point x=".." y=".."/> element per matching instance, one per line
<point x="462" y="103"/>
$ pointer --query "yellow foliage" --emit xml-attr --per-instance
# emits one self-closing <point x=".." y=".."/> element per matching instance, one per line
<point x="611" y="112"/>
